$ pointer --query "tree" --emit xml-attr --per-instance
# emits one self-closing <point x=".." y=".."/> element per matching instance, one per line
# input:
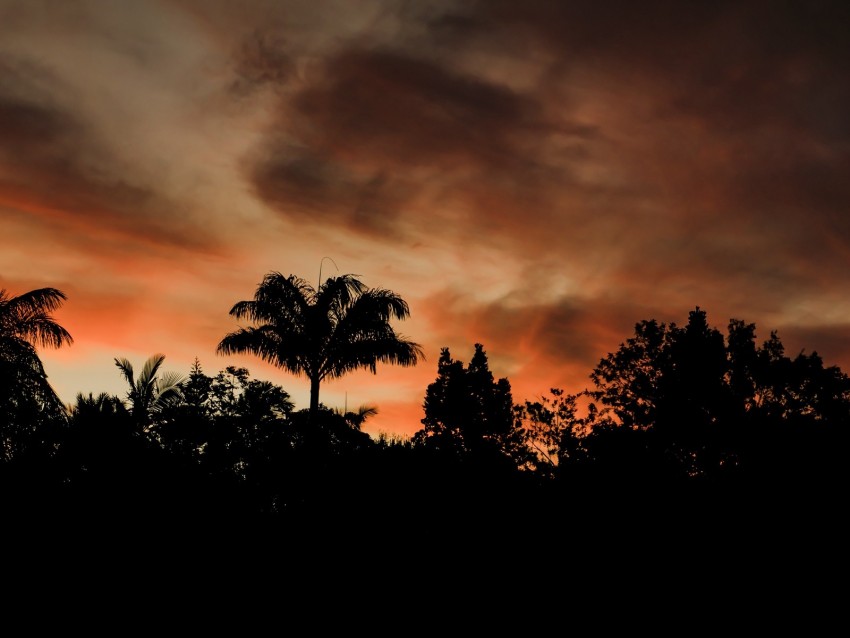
<point x="149" y="394"/>
<point x="672" y="383"/>
<point x="627" y="381"/>
<point x="553" y="429"/>
<point x="100" y="443"/>
<point x="249" y="433"/>
<point x="716" y="407"/>
<point x="469" y="414"/>
<point x="196" y="390"/>
<point x="324" y="333"/>
<point x="26" y="398"/>
<point x="358" y="418"/>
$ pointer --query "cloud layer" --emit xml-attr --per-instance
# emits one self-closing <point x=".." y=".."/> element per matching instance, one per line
<point x="533" y="176"/>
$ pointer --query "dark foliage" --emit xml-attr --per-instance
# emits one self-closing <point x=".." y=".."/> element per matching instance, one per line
<point x="682" y="424"/>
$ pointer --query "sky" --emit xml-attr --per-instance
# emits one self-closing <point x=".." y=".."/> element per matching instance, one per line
<point x="534" y="176"/>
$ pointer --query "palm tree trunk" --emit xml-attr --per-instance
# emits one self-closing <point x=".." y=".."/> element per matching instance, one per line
<point x="314" y="399"/>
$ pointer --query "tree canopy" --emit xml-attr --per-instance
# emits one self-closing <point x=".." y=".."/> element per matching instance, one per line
<point x="321" y="333"/>
<point x="685" y="411"/>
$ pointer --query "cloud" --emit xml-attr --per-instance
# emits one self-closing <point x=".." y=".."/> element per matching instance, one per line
<point x="306" y="184"/>
<point x="563" y="170"/>
<point x="722" y="125"/>
<point x="375" y="129"/>
<point x="389" y="105"/>
<point x="829" y="341"/>
<point x="261" y="59"/>
<point x="55" y="166"/>
<point x="536" y="344"/>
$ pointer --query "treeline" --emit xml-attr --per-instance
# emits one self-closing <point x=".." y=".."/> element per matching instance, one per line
<point x="676" y="417"/>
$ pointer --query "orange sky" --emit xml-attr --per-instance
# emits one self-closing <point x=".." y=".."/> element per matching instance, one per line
<point x="535" y="176"/>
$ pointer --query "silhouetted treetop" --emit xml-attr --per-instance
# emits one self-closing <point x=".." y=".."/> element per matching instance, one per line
<point x="469" y="414"/>
<point x="28" y="403"/>
<point x="702" y="397"/>
<point x="151" y="391"/>
<point x="321" y="333"/>
<point x="26" y="318"/>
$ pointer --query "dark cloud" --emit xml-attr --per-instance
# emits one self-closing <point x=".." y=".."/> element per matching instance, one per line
<point x="452" y="27"/>
<point x="736" y="142"/>
<point x="53" y="165"/>
<point x="46" y="147"/>
<point x="768" y="76"/>
<point x="724" y="176"/>
<point x="583" y="33"/>
<point x="31" y="122"/>
<point x="395" y="106"/>
<point x="31" y="127"/>
<point x="261" y="59"/>
<point x="372" y="114"/>
<point x="307" y="184"/>
<point x="705" y="41"/>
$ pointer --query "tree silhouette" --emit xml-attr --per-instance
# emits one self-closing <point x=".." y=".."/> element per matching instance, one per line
<point x="469" y="414"/>
<point x="324" y="333"/>
<point x="673" y="384"/>
<point x="149" y="394"/>
<point x="100" y="443"/>
<point x="553" y="429"/>
<point x="357" y="418"/>
<point x="714" y="407"/>
<point x="26" y="397"/>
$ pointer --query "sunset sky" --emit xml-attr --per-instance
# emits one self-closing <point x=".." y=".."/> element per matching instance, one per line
<point x="535" y="176"/>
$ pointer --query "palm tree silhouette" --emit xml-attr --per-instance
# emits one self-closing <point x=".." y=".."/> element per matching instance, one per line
<point x="324" y="333"/>
<point x="25" y="322"/>
<point x="25" y="394"/>
<point x="357" y="418"/>
<point x="150" y="393"/>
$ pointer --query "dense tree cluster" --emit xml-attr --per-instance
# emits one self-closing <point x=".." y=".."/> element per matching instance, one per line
<point x="675" y="410"/>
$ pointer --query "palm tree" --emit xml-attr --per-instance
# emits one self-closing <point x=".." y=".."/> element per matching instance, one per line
<point x="25" y="320"/>
<point x="26" y="398"/>
<point x="324" y="333"/>
<point x="101" y="406"/>
<point x="356" y="419"/>
<point x="150" y="394"/>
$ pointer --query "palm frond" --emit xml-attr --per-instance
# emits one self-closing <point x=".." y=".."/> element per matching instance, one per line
<point x="278" y="300"/>
<point x="337" y="294"/>
<point x="41" y="300"/>
<point x="371" y="310"/>
<point x="148" y="374"/>
<point x="364" y="336"/>
<point x="126" y="369"/>
<point x="244" y="341"/>
<point x="277" y="293"/>
<point x="244" y="309"/>
<point x="385" y="304"/>
<point x="171" y="381"/>
<point x="27" y="316"/>
<point x="368" y="353"/>
<point x="287" y="350"/>
<point x="165" y="397"/>
<point x="366" y="411"/>
<point x="43" y="330"/>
